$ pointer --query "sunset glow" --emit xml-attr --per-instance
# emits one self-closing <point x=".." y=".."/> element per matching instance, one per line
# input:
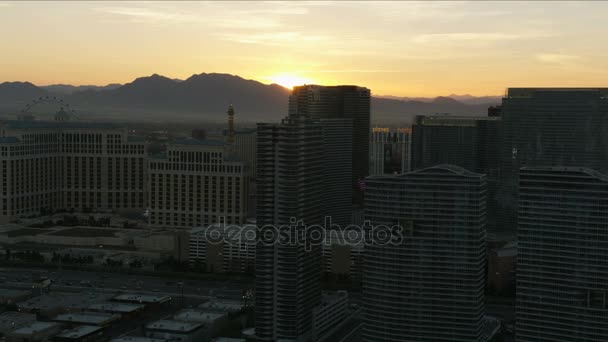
<point x="289" y="81"/>
<point x="394" y="48"/>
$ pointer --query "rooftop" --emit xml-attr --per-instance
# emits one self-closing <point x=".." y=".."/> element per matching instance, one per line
<point x="136" y="339"/>
<point x="10" y="320"/>
<point x="222" y="305"/>
<point x="94" y="318"/>
<point x="80" y="331"/>
<point x="35" y="327"/>
<point x="141" y="298"/>
<point x="174" y="326"/>
<point x="116" y="307"/>
<point x="201" y="316"/>
<point x="528" y="92"/>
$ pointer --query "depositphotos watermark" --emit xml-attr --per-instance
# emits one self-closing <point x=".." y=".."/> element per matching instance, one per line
<point x="298" y="233"/>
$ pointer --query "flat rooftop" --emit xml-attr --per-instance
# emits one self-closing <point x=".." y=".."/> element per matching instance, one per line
<point x="11" y="320"/>
<point x="90" y="318"/>
<point x="222" y="305"/>
<point x="198" y="315"/>
<point x="137" y="339"/>
<point x="80" y="331"/>
<point x="141" y="298"/>
<point x="170" y="325"/>
<point x="34" y="328"/>
<point x="116" y="307"/>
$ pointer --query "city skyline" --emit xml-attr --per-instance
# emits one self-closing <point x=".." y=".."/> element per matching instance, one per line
<point x="394" y="48"/>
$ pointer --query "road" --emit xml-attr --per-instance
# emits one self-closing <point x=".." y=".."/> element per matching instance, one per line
<point x="70" y="280"/>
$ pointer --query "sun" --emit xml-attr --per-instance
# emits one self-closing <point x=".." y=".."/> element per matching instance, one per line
<point x="289" y="81"/>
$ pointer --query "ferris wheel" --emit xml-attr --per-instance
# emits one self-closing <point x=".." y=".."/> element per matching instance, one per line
<point x="65" y="113"/>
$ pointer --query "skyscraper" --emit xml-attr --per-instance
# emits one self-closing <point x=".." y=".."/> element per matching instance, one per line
<point x="550" y="127"/>
<point x="389" y="151"/>
<point x="562" y="266"/>
<point x="471" y="142"/>
<point x="429" y="286"/>
<point x="346" y="103"/>
<point x="290" y="186"/>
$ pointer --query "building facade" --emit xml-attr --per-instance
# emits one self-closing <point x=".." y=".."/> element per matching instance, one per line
<point x="389" y="151"/>
<point x="471" y="142"/>
<point x="195" y="184"/>
<point x="550" y="127"/>
<point x="48" y="166"/>
<point x="562" y="266"/>
<point x="244" y="148"/>
<point x="427" y="286"/>
<point x="346" y="103"/>
<point x="290" y="189"/>
<point x="228" y="248"/>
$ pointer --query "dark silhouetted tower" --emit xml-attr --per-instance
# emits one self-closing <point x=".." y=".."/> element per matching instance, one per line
<point x="344" y="111"/>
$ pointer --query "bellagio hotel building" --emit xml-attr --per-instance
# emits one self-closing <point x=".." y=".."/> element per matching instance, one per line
<point x="46" y="166"/>
<point x="50" y="165"/>
<point x="197" y="183"/>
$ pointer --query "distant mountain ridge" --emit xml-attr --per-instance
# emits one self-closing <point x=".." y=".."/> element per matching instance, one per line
<point x="205" y="97"/>
<point x="467" y="99"/>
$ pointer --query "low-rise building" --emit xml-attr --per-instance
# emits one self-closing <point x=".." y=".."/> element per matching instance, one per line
<point x="34" y="332"/>
<point x="137" y="339"/>
<point x="224" y="248"/>
<point x="123" y="309"/>
<point x="82" y="333"/>
<point x="88" y="318"/>
<point x="139" y="298"/>
<point x="12" y="320"/>
<point x="176" y="331"/>
<point x="222" y="305"/>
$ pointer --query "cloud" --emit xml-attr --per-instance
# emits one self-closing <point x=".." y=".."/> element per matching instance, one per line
<point x="210" y="15"/>
<point x="274" y="38"/>
<point x="464" y="36"/>
<point x="148" y="14"/>
<point x="350" y="71"/>
<point x="556" y="58"/>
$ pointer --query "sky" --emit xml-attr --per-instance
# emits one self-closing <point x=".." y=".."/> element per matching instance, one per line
<point x="393" y="48"/>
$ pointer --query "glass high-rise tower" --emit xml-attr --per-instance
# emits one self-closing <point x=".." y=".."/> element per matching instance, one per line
<point x="346" y="113"/>
<point x="290" y="188"/>
<point x="562" y="265"/>
<point x="429" y="287"/>
<point x="550" y="127"/>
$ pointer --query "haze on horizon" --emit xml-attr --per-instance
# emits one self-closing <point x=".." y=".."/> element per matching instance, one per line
<point x="394" y="48"/>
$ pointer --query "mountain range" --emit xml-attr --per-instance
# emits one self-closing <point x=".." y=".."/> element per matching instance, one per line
<point x="205" y="97"/>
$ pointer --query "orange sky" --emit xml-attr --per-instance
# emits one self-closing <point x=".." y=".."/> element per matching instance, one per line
<point x="394" y="48"/>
